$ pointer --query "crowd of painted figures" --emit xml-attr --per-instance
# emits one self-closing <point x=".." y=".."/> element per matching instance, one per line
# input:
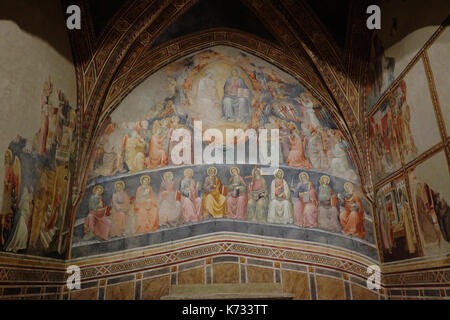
<point x="243" y="198"/>
<point x="142" y="148"/>
<point x="37" y="173"/>
<point x="309" y="138"/>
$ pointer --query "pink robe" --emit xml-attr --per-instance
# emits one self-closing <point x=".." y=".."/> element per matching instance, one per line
<point x="157" y="157"/>
<point x="191" y="206"/>
<point x="120" y="208"/>
<point x="352" y="217"/>
<point x="97" y="220"/>
<point x="146" y="210"/>
<point x="305" y="212"/>
<point x="296" y="157"/>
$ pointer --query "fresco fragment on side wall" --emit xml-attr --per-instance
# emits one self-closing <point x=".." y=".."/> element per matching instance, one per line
<point x="404" y="126"/>
<point x="438" y="55"/>
<point x="36" y="183"/>
<point x="430" y="191"/>
<point x="136" y="196"/>
<point x="395" y="223"/>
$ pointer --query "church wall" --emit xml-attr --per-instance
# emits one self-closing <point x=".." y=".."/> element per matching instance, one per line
<point x="305" y="271"/>
<point x="195" y="88"/>
<point x="409" y="160"/>
<point x="406" y="27"/>
<point x="38" y="96"/>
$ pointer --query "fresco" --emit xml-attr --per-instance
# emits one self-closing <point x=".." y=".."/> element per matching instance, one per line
<point x="430" y="189"/>
<point x="396" y="227"/>
<point x="384" y="140"/>
<point x="134" y="188"/>
<point x="36" y="183"/>
<point x="404" y="126"/>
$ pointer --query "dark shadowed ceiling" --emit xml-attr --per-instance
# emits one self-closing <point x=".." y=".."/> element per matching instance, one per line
<point x="334" y="15"/>
<point x="102" y="11"/>
<point x="206" y="14"/>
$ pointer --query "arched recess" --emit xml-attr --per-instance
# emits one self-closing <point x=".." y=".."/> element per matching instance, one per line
<point x="230" y="40"/>
<point x="127" y="53"/>
<point x="177" y="48"/>
<point x="141" y="22"/>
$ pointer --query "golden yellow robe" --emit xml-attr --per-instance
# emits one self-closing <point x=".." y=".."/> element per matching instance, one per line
<point x="39" y="211"/>
<point x="214" y="202"/>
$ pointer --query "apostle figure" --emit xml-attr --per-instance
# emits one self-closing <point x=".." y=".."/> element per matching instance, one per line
<point x="120" y="209"/>
<point x="352" y="217"/>
<point x="145" y="207"/>
<point x="328" y="215"/>
<point x="214" y="202"/>
<point x="97" y="222"/>
<point x="280" y="207"/>
<point x="191" y="203"/>
<point x="157" y="156"/>
<point x="305" y="209"/>
<point x="237" y="195"/>
<point x="236" y="99"/>
<point x="169" y="207"/>
<point x="296" y="157"/>
<point x="134" y="152"/>
<point x="258" y="193"/>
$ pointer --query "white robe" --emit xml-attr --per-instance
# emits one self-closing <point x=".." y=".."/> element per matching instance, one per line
<point x="339" y="164"/>
<point x="280" y="211"/>
<point x="20" y="238"/>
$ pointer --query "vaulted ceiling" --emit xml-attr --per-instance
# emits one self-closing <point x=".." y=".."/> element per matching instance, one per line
<point x="122" y="42"/>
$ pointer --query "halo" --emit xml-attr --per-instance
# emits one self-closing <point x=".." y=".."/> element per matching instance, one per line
<point x="323" y="179"/>
<point x="254" y="171"/>
<point x="98" y="187"/>
<point x="303" y="173"/>
<point x="146" y="176"/>
<point x="9" y="153"/>
<point x="168" y="175"/>
<point x="348" y="185"/>
<point x="235" y="69"/>
<point x="189" y="172"/>
<point x="119" y="183"/>
<point x="212" y="171"/>
<point x="279" y="170"/>
<point x="233" y="168"/>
